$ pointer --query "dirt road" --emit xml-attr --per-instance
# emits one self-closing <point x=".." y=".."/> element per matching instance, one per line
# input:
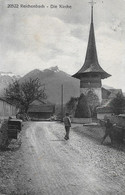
<point x="79" y="166"/>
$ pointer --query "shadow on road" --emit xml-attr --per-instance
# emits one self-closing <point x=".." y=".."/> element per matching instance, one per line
<point x="91" y="135"/>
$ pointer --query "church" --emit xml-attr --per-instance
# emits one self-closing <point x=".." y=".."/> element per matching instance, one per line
<point x="91" y="73"/>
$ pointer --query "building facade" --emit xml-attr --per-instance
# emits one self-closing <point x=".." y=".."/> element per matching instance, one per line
<point x="39" y="110"/>
<point x="6" y="109"/>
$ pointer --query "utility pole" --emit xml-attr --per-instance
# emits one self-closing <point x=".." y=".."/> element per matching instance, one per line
<point x="61" y="103"/>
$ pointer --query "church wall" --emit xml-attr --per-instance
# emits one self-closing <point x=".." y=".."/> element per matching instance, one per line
<point x="87" y="82"/>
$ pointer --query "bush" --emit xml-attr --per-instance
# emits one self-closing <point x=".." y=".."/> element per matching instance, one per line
<point x="118" y="104"/>
<point x="93" y="102"/>
<point x="82" y="110"/>
<point x="71" y="105"/>
<point x="23" y="94"/>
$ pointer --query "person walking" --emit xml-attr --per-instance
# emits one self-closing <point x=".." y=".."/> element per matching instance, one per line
<point x="108" y="131"/>
<point x="67" y="123"/>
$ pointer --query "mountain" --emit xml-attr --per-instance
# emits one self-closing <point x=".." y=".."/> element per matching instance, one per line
<point x="5" y="79"/>
<point x="53" y="78"/>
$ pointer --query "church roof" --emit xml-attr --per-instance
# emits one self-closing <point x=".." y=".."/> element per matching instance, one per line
<point x="91" y="64"/>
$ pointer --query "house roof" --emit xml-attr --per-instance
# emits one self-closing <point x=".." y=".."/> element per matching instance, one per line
<point x="3" y="99"/>
<point x="106" y="90"/>
<point x="107" y="107"/>
<point x="104" y="110"/>
<point x="39" y="106"/>
<point x="114" y="92"/>
<point x="105" y="93"/>
<point x="37" y="102"/>
<point x="41" y="102"/>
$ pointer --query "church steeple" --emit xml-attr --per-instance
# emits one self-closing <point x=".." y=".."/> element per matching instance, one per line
<point x="92" y="3"/>
<point x="91" y="64"/>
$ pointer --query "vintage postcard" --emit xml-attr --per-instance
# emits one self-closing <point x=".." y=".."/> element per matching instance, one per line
<point x="62" y="97"/>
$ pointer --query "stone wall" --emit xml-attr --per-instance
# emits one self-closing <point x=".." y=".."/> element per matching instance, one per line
<point x="3" y="133"/>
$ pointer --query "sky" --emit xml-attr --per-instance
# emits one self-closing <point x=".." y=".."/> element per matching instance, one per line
<point x="39" y="38"/>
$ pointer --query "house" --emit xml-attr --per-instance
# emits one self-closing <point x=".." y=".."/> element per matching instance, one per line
<point x="106" y="110"/>
<point x="39" y="110"/>
<point x="7" y="109"/>
<point x="108" y="94"/>
<point x="114" y="92"/>
<point x="105" y="95"/>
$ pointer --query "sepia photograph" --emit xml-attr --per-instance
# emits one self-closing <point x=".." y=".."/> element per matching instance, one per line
<point x="62" y="97"/>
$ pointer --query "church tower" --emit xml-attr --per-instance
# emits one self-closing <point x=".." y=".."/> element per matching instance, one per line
<point x="91" y="73"/>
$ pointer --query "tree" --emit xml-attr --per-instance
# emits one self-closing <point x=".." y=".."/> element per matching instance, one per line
<point x="118" y="104"/>
<point x="71" y="105"/>
<point x="82" y="110"/>
<point x="23" y="94"/>
<point x="93" y="102"/>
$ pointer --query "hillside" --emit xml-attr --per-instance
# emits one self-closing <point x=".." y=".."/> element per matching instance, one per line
<point x="53" y="78"/>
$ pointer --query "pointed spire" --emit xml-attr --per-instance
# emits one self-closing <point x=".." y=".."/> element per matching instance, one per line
<point x="91" y="54"/>
<point x="92" y="4"/>
<point x="91" y="64"/>
<point x="92" y="14"/>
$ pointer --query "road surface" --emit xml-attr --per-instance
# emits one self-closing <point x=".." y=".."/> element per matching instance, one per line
<point x="79" y="166"/>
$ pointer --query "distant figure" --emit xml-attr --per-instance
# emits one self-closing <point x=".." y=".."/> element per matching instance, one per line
<point x="108" y="131"/>
<point x="67" y="123"/>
